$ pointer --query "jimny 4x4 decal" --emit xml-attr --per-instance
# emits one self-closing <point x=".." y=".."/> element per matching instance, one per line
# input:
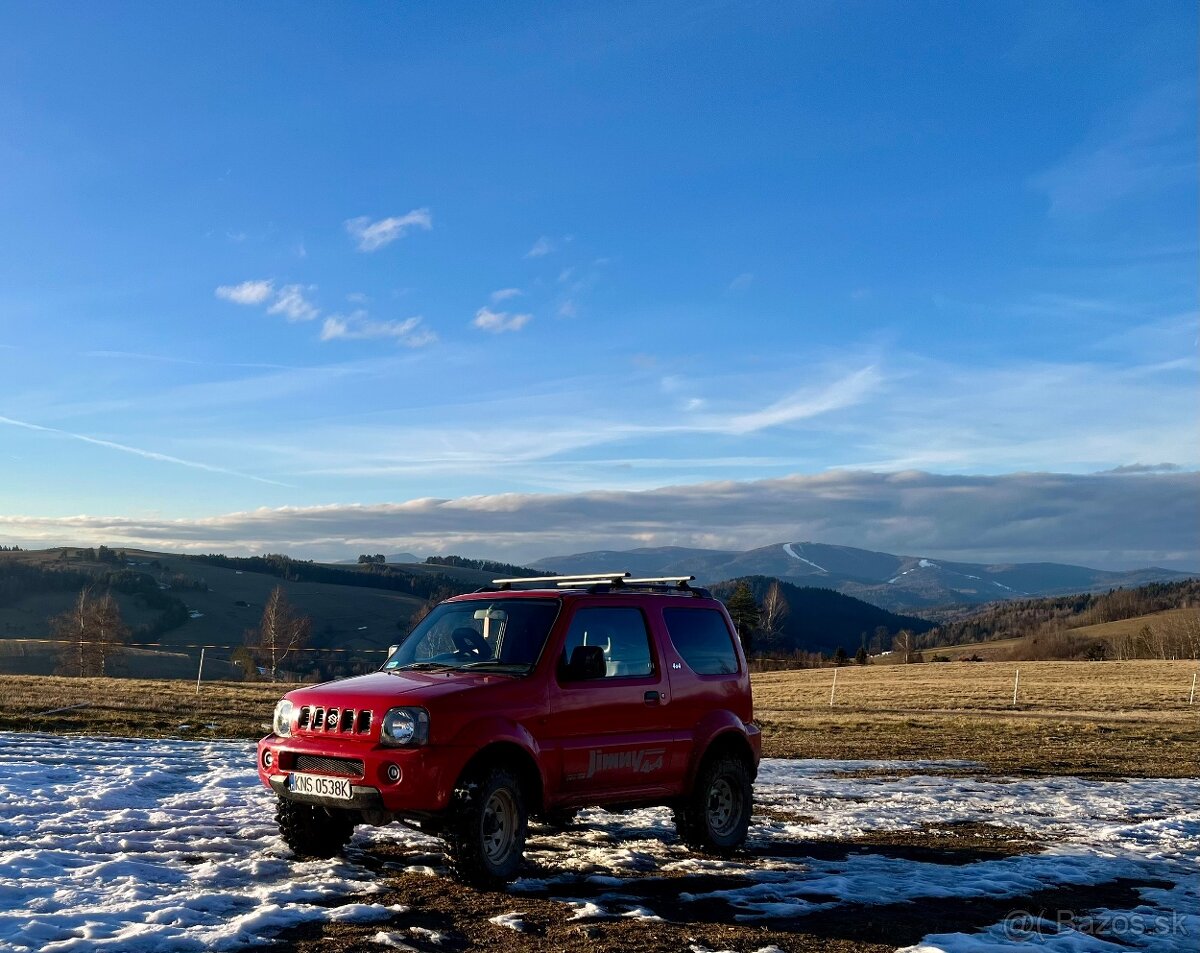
<point x="639" y="761"/>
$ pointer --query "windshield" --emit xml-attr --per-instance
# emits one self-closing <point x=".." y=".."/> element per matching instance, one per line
<point x="505" y="635"/>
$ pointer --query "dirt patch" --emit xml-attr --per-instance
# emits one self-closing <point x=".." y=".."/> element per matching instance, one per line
<point x="461" y="917"/>
<point x="673" y="910"/>
<point x="764" y="812"/>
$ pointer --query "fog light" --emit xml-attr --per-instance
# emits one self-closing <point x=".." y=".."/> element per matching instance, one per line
<point x="393" y="773"/>
<point x="268" y="759"/>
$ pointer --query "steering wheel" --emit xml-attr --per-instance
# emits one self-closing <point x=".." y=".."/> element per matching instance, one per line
<point x="469" y="642"/>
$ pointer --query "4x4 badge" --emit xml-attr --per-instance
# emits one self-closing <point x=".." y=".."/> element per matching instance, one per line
<point x="642" y="761"/>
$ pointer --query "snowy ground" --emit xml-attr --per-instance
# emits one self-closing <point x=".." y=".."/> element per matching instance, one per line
<point x="132" y="845"/>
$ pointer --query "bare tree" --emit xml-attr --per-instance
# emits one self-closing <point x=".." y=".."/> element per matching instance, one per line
<point x="904" y="644"/>
<point x="91" y="630"/>
<point x="280" y="634"/>
<point x="774" y="610"/>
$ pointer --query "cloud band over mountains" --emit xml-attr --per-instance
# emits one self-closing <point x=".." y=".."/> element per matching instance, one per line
<point x="1106" y="520"/>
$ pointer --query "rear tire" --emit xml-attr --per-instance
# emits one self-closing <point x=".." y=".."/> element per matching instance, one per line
<point x="716" y="815"/>
<point x="486" y="829"/>
<point x="313" y="831"/>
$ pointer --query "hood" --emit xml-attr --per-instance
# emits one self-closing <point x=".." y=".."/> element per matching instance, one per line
<point x="383" y="690"/>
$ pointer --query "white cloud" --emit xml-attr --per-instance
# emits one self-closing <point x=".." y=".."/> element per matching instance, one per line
<point x="849" y="390"/>
<point x="500" y="321"/>
<point x="291" y="303"/>
<point x="248" y="292"/>
<point x="542" y="247"/>
<point x="503" y="294"/>
<point x="1108" y="520"/>
<point x="742" y="281"/>
<point x="374" y="235"/>
<point x="359" y="327"/>
<point x="1148" y="150"/>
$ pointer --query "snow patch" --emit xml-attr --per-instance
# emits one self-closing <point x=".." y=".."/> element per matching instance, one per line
<point x="514" y="921"/>
<point x="787" y="548"/>
<point x="144" y="845"/>
<point x="393" y="940"/>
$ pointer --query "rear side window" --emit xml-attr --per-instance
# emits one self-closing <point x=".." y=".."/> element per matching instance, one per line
<point x="703" y="639"/>
<point x="620" y="632"/>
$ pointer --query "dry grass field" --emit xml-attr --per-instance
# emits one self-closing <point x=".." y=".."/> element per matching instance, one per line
<point x="1087" y="718"/>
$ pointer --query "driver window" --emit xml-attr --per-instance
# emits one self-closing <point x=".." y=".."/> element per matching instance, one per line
<point x="620" y="633"/>
<point x="437" y="642"/>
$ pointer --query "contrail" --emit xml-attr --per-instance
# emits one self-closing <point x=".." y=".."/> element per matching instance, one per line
<point x="138" y="452"/>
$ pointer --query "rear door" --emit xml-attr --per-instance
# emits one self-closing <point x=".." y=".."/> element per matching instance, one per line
<point x="614" y="732"/>
<point x="706" y="673"/>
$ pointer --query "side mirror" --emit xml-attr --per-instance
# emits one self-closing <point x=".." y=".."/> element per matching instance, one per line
<point x="587" y="662"/>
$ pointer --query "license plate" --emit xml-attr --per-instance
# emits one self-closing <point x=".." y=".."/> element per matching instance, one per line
<point x="321" y="786"/>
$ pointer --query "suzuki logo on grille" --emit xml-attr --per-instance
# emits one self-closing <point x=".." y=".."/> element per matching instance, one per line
<point x="332" y="720"/>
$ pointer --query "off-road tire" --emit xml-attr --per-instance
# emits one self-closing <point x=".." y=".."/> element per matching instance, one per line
<point x="486" y="829"/>
<point x="716" y="814"/>
<point x="313" y="831"/>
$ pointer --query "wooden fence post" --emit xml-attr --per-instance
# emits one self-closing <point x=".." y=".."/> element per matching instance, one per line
<point x="200" y="671"/>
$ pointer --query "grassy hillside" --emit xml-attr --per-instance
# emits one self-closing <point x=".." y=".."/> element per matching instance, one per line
<point x="219" y="604"/>
<point x="1116" y="637"/>
<point x="1159" y="620"/>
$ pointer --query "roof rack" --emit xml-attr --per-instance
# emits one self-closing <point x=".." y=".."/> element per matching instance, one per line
<point x="591" y="578"/>
<point x="606" y="582"/>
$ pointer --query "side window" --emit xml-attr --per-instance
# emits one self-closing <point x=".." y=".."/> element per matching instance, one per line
<point x="620" y="633"/>
<point x="703" y="639"/>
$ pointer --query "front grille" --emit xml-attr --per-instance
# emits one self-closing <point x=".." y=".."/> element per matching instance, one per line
<point x="334" y="720"/>
<point x="342" y="767"/>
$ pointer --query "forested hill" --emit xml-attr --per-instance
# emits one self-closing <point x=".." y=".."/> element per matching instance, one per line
<point x="1028" y="617"/>
<point x="823" y="620"/>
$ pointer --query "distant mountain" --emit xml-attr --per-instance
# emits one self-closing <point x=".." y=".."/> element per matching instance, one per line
<point x="892" y="582"/>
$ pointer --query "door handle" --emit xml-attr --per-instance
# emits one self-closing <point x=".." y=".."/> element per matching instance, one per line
<point x="652" y="698"/>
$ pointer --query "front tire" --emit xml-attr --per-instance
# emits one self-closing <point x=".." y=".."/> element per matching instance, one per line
<point x="487" y="827"/>
<point x="716" y="815"/>
<point x="313" y="831"/>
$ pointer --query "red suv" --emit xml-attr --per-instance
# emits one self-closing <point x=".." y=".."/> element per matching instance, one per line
<point x="529" y="697"/>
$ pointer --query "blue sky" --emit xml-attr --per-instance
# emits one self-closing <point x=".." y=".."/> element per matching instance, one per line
<point x="316" y="258"/>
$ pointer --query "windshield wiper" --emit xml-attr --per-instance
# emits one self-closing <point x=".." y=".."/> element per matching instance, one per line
<point x="423" y="667"/>
<point x="504" y="668"/>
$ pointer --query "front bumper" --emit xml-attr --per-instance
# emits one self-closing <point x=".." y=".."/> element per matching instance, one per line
<point x="362" y="798"/>
<point x="426" y="782"/>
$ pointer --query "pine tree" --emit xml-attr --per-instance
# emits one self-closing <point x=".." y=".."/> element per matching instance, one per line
<point x="745" y="614"/>
<point x="860" y="657"/>
<point x="839" y="657"/>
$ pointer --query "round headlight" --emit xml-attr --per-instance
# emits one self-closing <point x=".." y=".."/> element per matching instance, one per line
<point x="283" y="719"/>
<point x="405" y="726"/>
<point x="400" y="726"/>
